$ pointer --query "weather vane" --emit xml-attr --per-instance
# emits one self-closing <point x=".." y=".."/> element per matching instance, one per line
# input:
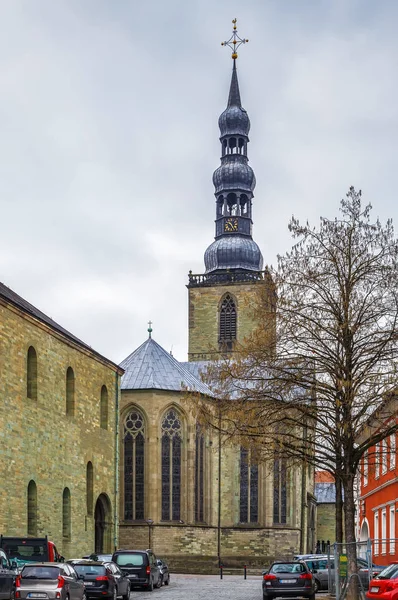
<point x="234" y="41"/>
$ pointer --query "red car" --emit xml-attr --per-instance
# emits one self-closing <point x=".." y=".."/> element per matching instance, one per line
<point x="385" y="585"/>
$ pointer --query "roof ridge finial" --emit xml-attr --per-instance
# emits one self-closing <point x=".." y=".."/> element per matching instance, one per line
<point x="234" y="41"/>
<point x="150" y="329"/>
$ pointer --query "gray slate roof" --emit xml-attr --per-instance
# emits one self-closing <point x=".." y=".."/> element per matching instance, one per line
<point x="151" y="367"/>
<point x="325" y="492"/>
<point x="10" y="296"/>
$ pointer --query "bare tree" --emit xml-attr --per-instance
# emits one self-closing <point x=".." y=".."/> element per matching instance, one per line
<point x="308" y="381"/>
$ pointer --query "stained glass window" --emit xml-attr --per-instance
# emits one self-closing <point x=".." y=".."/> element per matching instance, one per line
<point x="280" y="490"/>
<point x="248" y="488"/>
<point x="199" y="475"/>
<point x="134" y="463"/>
<point x="171" y="466"/>
<point x="227" y="331"/>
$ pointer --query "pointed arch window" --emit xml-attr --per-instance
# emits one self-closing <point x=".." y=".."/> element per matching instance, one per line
<point x="104" y="408"/>
<point x="66" y="515"/>
<point x="199" y="475"/>
<point x="134" y="463"/>
<point x="227" y="332"/>
<point x="248" y="488"/>
<point x="90" y="487"/>
<point x="280" y="490"/>
<point x="171" y="466"/>
<point x="32" y="508"/>
<point x="31" y="383"/>
<point x="70" y="392"/>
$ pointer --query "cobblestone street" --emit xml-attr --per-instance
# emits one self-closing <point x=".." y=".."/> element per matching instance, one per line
<point x="205" y="587"/>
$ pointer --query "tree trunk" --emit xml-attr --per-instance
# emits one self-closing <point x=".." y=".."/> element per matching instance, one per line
<point x="339" y="511"/>
<point x="349" y="526"/>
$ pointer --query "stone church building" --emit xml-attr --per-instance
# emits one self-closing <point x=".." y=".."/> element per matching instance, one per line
<point x="189" y="498"/>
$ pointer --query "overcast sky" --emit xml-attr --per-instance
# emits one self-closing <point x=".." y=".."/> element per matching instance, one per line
<point x="109" y="139"/>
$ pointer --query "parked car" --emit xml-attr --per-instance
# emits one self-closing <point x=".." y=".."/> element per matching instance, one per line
<point x="385" y="585"/>
<point x="54" y="581"/>
<point x="318" y="565"/>
<point x="140" y="567"/>
<point x="288" y="579"/>
<point x="8" y="572"/>
<point x="94" y="556"/>
<point x="164" y="571"/>
<point x="102" y="579"/>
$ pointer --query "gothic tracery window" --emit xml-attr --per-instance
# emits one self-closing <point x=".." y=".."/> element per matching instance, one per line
<point x="134" y="457"/>
<point x="199" y="475"/>
<point x="227" y="332"/>
<point x="280" y="490"/>
<point x="248" y="488"/>
<point x="171" y="466"/>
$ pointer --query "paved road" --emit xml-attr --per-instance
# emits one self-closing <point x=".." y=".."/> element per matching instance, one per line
<point x="204" y="587"/>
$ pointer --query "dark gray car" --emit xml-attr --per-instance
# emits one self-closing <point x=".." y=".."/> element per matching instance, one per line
<point x="140" y="567"/>
<point x="53" y="581"/>
<point x="289" y="580"/>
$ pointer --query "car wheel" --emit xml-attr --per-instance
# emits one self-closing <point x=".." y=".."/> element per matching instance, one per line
<point x="84" y="597"/>
<point x="12" y="595"/>
<point x="312" y="597"/>
<point x="150" y="586"/>
<point x="317" y="586"/>
<point x="160" y="581"/>
<point x="114" y="596"/>
<point x="167" y="581"/>
<point x="126" y="596"/>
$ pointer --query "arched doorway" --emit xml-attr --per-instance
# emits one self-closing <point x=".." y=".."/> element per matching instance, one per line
<point x="363" y="538"/>
<point x="103" y="525"/>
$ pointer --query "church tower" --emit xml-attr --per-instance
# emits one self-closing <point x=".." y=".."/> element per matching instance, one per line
<point x="219" y="300"/>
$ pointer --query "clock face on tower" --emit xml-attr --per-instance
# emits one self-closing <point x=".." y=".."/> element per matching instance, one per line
<point x="231" y="224"/>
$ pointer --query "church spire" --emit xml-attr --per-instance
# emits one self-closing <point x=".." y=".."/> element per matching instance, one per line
<point x="234" y="182"/>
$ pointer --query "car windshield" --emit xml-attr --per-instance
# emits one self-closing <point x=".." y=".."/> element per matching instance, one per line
<point x="89" y="569"/>
<point x="40" y="572"/>
<point x="391" y="572"/>
<point x="129" y="560"/>
<point x="287" y="568"/>
<point x="26" y="551"/>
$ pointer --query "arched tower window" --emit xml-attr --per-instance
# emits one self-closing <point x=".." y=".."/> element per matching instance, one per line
<point x="32" y="508"/>
<point x="134" y="463"/>
<point x="227" y="332"/>
<point x="66" y="515"/>
<point x="31" y="387"/>
<point x="248" y="488"/>
<point x="90" y="488"/>
<point x="70" y="392"/>
<point x="171" y="466"/>
<point x="280" y="490"/>
<point x="199" y="475"/>
<point x="104" y="408"/>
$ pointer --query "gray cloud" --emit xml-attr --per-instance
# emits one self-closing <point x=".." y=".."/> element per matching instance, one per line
<point x="109" y="139"/>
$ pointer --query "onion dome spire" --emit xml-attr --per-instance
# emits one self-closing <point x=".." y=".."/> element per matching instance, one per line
<point x="234" y="182"/>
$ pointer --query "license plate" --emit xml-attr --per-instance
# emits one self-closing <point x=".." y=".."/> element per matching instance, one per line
<point x="374" y="590"/>
<point x="36" y="595"/>
<point x="287" y="580"/>
<point x="133" y="576"/>
<point x="89" y="583"/>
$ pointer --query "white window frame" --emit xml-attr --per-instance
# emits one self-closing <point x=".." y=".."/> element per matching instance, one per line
<point x="384" y="457"/>
<point x="392" y="529"/>
<point x="393" y="450"/>
<point x="384" y="531"/>
<point x="377" y="461"/>
<point x="365" y="468"/>
<point x="376" y="532"/>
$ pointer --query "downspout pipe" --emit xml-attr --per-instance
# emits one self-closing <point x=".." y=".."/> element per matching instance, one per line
<point x="116" y="505"/>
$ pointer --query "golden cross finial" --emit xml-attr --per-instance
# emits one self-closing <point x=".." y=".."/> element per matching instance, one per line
<point x="234" y="41"/>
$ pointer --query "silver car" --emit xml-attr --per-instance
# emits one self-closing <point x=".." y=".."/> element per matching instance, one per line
<point x="49" y="581"/>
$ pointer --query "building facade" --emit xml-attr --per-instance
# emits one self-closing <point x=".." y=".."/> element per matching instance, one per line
<point x="59" y="405"/>
<point x="378" y="500"/>
<point x="194" y="500"/>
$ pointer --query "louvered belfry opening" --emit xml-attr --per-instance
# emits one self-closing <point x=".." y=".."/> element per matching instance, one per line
<point x="228" y="319"/>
